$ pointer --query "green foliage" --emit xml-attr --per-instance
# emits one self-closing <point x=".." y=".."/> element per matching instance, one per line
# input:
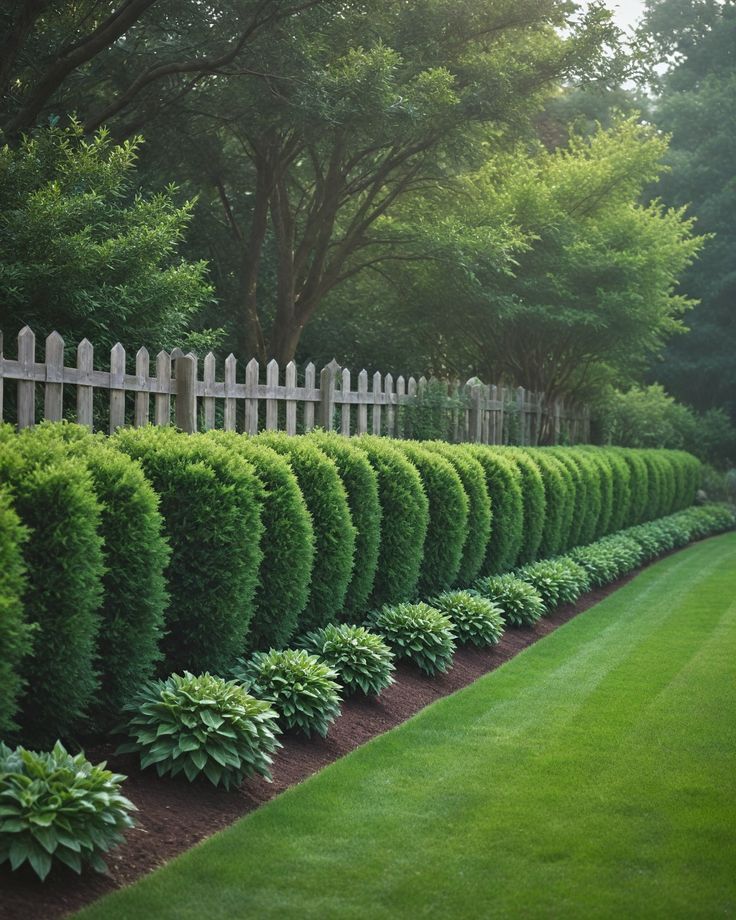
<point x="535" y="505"/>
<point x="201" y="725"/>
<point x="288" y="543"/>
<point x="557" y="502"/>
<point x="604" y="475"/>
<point x="472" y="477"/>
<point x="608" y="559"/>
<point x="334" y="533"/>
<point x="475" y="619"/>
<point x="16" y="634"/>
<point x="59" y="809"/>
<point x="135" y="556"/>
<point x="210" y="499"/>
<point x="520" y="603"/>
<point x="303" y="690"/>
<point x="418" y="633"/>
<point x="558" y="581"/>
<point x="590" y="512"/>
<point x="362" y="660"/>
<point x="428" y="415"/>
<point x="361" y="486"/>
<point x="638" y="485"/>
<point x="404" y="521"/>
<point x="448" y="518"/>
<point x="503" y="481"/>
<point x="578" y="494"/>
<point x="53" y="495"/>
<point x="82" y="253"/>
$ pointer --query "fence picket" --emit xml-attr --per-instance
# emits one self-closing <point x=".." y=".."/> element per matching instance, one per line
<point x="363" y="402"/>
<point x="208" y="393"/>
<point x="345" y="406"/>
<point x="142" y="397"/>
<point x="26" y="388"/>
<point x="230" y="419"/>
<point x="117" y="387"/>
<point x="252" y="373"/>
<point x="53" y="400"/>
<point x="162" y="401"/>
<point x="290" y="380"/>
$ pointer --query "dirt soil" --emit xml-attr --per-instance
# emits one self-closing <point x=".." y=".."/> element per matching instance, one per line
<point x="174" y="815"/>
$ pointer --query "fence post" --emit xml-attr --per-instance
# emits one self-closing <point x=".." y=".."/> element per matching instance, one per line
<point x="208" y="399"/>
<point x="327" y="382"/>
<point x="162" y="402"/>
<point x="53" y="397"/>
<point x="520" y="402"/>
<point x="186" y="393"/>
<point x="290" y="381"/>
<point x="142" y="397"/>
<point x="345" y="407"/>
<point x="230" y="404"/>
<point x="310" y="377"/>
<point x="475" y="422"/>
<point x="26" y="388"/>
<point x="252" y="373"/>
<point x="117" y="387"/>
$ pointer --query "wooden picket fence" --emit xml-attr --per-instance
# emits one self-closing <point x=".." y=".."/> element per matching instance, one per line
<point x="473" y="411"/>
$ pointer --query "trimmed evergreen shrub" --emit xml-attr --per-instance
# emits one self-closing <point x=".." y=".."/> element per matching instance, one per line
<point x="15" y="633"/>
<point x="288" y="543"/>
<point x="135" y="555"/>
<point x="556" y="502"/>
<point x="480" y="513"/>
<point x="621" y="491"/>
<point x="54" y="497"/>
<point x="417" y="633"/>
<point x="334" y="533"/>
<point x="303" y="690"/>
<point x="535" y="505"/>
<point x="558" y="581"/>
<point x="58" y="808"/>
<point x="655" y="485"/>
<point x="404" y="520"/>
<point x="638" y="484"/>
<point x="503" y="481"/>
<point x="210" y="499"/>
<point x="448" y="518"/>
<point x="475" y="619"/>
<point x="362" y="659"/>
<point x="520" y="603"/>
<point x="590" y="511"/>
<point x="201" y="725"/>
<point x="578" y="497"/>
<point x="361" y="486"/>
<point x="605" y="480"/>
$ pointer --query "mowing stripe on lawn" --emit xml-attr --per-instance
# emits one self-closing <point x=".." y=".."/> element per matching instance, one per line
<point x="594" y="775"/>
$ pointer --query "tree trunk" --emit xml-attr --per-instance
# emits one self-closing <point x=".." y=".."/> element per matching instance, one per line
<point x="251" y="342"/>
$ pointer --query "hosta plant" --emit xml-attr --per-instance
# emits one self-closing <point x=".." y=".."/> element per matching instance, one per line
<point x="558" y="581"/>
<point x="521" y="604"/>
<point x="475" y="619"/>
<point x="201" y="725"/>
<point x="303" y="690"/>
<point x="418" y="633"/>
<point x="361" y="658"/>
<point x="608" y="559"/>
<point x="58" y="808"/>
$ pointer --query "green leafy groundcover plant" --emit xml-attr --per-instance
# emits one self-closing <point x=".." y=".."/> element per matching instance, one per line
<point x="288" y="544"/>
<point x="53" y="495"/>
<point x="303" y="690"/>
<point x="210" y="499"/>
<point x="15" y="632"/>
<point x="417" y="633"/>
<point x="475" y="619"/>
<point x="473" y="478"/>
<point x="361" y="485"/>
<point x="201" y="725"/>
<point x="362" y="659"/>
<point x="404" y="519"/>
<point x="56" y="807"/>
<point x="448" y="518"/>
<point x="558" y="581"/>
<point x="608" y="559"/>
<point x="334" y="533"/>
<point x="521" y="604"/>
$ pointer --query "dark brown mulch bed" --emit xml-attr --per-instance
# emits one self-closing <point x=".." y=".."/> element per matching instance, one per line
<point x="174" y="815"/>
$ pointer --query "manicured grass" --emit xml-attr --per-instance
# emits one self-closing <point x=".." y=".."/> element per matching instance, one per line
<point x="592" y="776"/>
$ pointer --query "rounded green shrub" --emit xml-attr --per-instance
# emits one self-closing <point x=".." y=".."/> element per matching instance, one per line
<point x="404" y="520"/>
<point x="590" y="512"/>
<point x="638" y="485"/>
<point x="361" y="484"/>
<point x="59" y="809"/>
<point x="655" y="485"/>
<point x="210" y="499"/>
<point x="417" y="633"/>
<point x="604" y="474"/>
<point x="448" y="518"/>
<point x="288" y="543"/>
<point x="558" y="581"/>
<point x="303" y="690"/>
<point x="201" y="725"/>
<point x="475" y="619"/>
<point x="362" y="660"/>
<point x="478" y="526"/>
<point x="334" y="533"/>
<point x="135" y="555"/>
<point x="621" y="491"/>
<point x="503" y="481"/>
<point x="555" y="480"/>
<point x="535" y="505"/>
<point x="578" y="497"/>
<point x="520" y="603"/>
<point x="15" y="633"/>
<point x="54" y="497"/>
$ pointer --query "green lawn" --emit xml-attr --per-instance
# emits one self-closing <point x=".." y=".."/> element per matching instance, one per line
<point x="594" y="775"/>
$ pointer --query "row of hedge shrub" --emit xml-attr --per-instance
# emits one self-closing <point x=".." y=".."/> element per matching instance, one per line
<point x="154" y="551"/>
<point x="60" y="809"/>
